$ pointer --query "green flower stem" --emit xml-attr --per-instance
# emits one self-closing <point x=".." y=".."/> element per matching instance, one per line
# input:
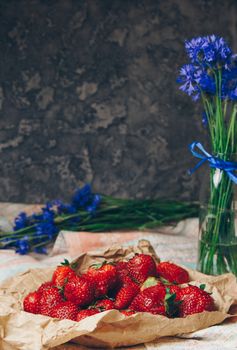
<point x="216" y="255"/>
<point x="17" y="238"/>
<point x="114" y="214"/>
<point x="23" y="230"/>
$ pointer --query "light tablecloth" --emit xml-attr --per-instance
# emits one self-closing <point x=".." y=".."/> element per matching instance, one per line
<point x="178" y="243"/>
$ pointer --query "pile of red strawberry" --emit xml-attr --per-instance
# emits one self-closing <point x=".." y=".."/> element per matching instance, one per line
<point x="137" y="285"/>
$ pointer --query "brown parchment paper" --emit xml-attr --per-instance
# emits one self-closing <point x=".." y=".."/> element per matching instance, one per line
<point x="109" y="329"/>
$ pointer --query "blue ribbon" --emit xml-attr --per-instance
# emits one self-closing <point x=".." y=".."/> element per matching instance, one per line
<point x="214" y="162"/>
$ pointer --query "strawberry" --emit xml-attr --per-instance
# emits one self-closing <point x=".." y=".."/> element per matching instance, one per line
<point x="195" y="300"/>
<point x="110" y="271"/>
<point x="65" y="310"/>
<point x="127" y="312"/>
<point x="172" y="273"/>
<point x="104" y="276"/>
<point x="126" y="294"/>
<point x="174" y="289"/>
<point x="159" y="310"/>
<point x="122" y="270"/>
<point x="141" y="266"/>
<point x="31" y="302"/>
<point x="86" y="313"/>
<point x="149" y="300"/>
<point x="122" y="266"/>
<point x="44" y="286"/>
<point x="170" y="288"/>
<point x="62" y="273"/>
<point x="49" y="298"/>
<point x="79" y="290"/>
<point x="156" y="300"/>
<point x="105" y="304"/>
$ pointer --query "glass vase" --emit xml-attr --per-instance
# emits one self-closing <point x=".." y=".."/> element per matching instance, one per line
<point x="217" y="248"/>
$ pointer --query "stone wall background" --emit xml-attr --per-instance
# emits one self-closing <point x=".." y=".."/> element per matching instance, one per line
<point x="88" y="93"/>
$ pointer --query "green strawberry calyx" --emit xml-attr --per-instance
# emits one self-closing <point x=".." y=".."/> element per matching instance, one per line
<point x="149" y="282"/>
<point x="97" y="266"/>
<point x="65" y="263"/>
<point x="171" y="305"/>
<point x="73" y="265"/>
<point x="202" y="286"/>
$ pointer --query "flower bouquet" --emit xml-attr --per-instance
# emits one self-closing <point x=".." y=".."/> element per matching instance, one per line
<point x="91" y="212"/>
<point x="211" y="76"/>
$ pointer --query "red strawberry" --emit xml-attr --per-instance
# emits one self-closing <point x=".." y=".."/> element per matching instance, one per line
<point x="122" y="265"/>
<point x="49" y="298"/>
<point x="44" y="286"/>
<point x="149" y="300"/>
<point x="65" y="310"/>
<point x="169" y="288"/>
<point x="79" y="290"/>
<point x="126" y="294"/>
<point x="174" y="289"/>
<point x="158" y="310"/>
<point x="172" y="273"/>
<point x="122" y="270"/>
<point x="127" y="312"/>
<point x="110" y="271"/>
<point x="31" y="303"/>
<point x="141" y="266"/>
<point x="195" y="300"/>
<point x="86" y="313"/>
<point x="104" y="276"/>
<point x="62" y="273"/>
<point x="105" y="304"/>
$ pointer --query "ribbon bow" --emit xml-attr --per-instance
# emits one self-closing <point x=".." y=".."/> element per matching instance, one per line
<point x="214" y="162"/>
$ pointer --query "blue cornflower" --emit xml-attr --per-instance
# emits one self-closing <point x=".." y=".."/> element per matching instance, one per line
<point x="94" y="205"/>
<point x="47" y="229"/>
<point x="222" y="52"/>
<point x="232" y="95"/>
<point x="68" y="209"/>
<point x="82" y="197"/>
<point x="21" y="221"/>
<point x="44" y="224"/>
<point x="188" y="78"/>
<point x="229" y="83"/>
<point x="212" y="60"/>
<point x="48" y="206"/>
<point x="63" y="208"/>
<point x="209" y="54"/>
<point x="97" y="199"/>
<point x="207" y="84"/>
<point x="37" y="217"/>
<point x="23" y="246"/>
<point x="234" y="60"/>
<point x="194" y="48"/>
<point x="47" y="214"/>
<point x="209" y="50"/>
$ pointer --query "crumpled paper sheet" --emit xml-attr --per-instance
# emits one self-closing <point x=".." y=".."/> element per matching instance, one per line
<point x="25" y="331"/>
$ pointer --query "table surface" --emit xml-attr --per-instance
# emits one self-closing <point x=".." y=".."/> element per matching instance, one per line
<point x="178" y="244"/>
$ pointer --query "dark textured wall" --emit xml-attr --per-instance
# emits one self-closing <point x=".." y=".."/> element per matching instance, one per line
<point x="88" y="93"/>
